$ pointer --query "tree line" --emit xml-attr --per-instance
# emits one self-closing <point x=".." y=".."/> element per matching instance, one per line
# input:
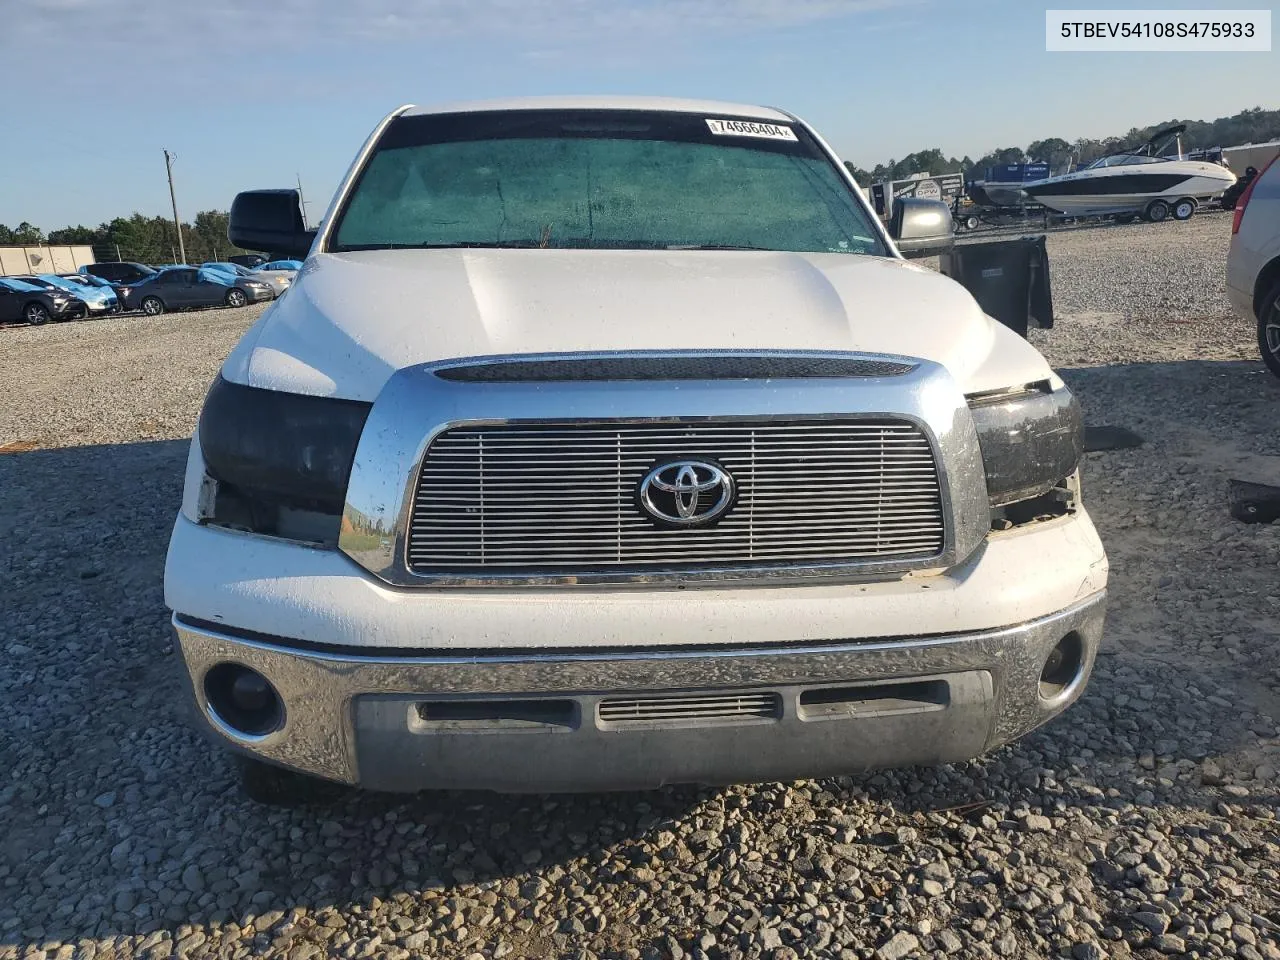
<point x="1254" y="125"/>
<point x="143" y="239"/>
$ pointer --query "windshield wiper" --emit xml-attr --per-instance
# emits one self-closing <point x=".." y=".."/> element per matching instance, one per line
<point x="486" y="245"/>
<point x="459" y="245"/>
<point x="576" y="243"/>
<point x="717" y="246"/>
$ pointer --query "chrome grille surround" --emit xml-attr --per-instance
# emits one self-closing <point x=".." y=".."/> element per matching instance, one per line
<point x="416" y="408"/>
<point x="563" y="496"/>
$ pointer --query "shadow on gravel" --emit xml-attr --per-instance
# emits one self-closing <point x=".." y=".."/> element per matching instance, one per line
<point x="118" y="819"/>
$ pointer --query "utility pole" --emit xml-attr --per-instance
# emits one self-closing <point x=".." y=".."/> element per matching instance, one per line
<point x="177" y="224"/>
<point x="302" y="204"/>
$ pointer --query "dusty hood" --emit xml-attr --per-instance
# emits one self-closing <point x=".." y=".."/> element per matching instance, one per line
<point x="351" y="320"/>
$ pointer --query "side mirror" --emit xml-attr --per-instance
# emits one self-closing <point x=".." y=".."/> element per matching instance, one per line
<point x="921" y="228"/>
<point x="269" y="220"/>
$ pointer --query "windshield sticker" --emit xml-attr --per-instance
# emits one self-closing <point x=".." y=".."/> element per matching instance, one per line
<point x="749" y="128"/>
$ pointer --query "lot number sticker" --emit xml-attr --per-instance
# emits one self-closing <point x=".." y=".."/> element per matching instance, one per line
<point x="749" y="128"/>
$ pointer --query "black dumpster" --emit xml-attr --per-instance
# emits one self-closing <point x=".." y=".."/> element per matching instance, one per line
<point x="1008" y="278"/>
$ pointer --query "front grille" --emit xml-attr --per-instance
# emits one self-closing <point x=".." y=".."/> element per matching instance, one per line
<point x="690" y="709"/>
<point x="526" y="499"/>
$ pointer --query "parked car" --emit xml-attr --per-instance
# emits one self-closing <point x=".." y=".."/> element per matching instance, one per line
<point x="277" y="284"/>
<point x="1253" y="263"/>
<point x="291" y="266"/>
<point x="36" y="305"/>
<point x="119" y="271"/>
<point x="249" y="260"/>
<point x="97" y="300"/>
<point x="180" y="288"/>
<point x="672" y="472"/>
<point x="88" y="280"/>
<point x="284" y="272"/>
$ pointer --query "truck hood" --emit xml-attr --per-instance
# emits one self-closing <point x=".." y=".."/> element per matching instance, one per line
<point x="352" y="319"/>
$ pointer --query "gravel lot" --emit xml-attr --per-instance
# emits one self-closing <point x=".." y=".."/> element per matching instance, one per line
<point x="1142" y="823"/>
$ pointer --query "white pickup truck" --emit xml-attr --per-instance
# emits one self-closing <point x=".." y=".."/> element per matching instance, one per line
<point x="610" y="442"/>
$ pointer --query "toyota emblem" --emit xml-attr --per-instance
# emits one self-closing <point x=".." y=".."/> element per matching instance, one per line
<point x="686" y="493"/>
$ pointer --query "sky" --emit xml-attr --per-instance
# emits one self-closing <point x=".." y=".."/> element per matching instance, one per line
<point x="257" y="93"/>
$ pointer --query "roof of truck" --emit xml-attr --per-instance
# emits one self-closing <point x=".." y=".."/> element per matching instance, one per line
<point x="596" y="102"/>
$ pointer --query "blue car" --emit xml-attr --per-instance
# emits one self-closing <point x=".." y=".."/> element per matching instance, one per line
<point x="94" y="300"/>
<point x="94" y="291"/>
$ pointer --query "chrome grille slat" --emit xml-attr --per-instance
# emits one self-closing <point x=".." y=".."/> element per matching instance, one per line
<point x="501" y="502"/>
<point x="918" y="538"/>
<point x="713" y="429"/>
<point x="584" y="475"/>
<point x="515" y="544"/>
<point x="561" y="497"/>
<point x="562" y="520"/>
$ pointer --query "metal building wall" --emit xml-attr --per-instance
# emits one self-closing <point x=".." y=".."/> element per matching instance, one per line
<point x="44" y="259"/>
<point x="1256" y="155"/>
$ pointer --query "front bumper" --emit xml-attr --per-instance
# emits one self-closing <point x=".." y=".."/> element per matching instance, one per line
<point x="591" y="719"/>
<point x="68" y="311"/>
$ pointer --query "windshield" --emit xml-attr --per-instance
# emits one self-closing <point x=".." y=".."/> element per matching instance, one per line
<point x="234" y="268"/>
<point x="1124" y="160"/>
<point x="56" y="281"/>
<point x="578" y="179"/>
<point x="19" y="286"/>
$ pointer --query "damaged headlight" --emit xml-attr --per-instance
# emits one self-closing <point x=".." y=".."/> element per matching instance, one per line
<point x="1032" y="439"/>
<point x="280" y="462"/>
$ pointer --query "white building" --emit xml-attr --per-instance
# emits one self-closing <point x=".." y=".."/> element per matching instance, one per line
<point x="42" y="258"/>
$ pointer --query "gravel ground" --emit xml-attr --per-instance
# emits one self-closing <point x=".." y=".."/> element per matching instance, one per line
<point x="1141" y="823"/>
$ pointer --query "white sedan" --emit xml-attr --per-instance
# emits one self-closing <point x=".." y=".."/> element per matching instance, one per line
<point x="280" y="274"/>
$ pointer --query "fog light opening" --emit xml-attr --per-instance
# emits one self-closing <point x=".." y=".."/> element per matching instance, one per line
<point x="243" y="701"/>
<point x="1062" y="667"/>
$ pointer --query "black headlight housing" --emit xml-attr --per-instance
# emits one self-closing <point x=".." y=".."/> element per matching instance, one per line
<point x="1032" y="440"/>
<point x="279" y="462"/>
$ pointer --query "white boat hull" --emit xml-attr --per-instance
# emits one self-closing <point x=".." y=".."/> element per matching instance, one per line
<point x="1130" y="189"/>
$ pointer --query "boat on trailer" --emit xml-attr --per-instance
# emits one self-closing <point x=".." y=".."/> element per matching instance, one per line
<point x="1136" y="182"/>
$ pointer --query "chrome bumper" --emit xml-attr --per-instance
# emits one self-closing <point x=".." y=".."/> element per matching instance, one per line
<point x="842" y="707"/>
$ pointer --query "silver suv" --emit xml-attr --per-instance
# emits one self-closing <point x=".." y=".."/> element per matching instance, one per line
<point x="1253" y="266"/>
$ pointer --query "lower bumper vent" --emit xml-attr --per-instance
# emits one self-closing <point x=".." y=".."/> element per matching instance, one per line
<point x="692" y="710"/>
